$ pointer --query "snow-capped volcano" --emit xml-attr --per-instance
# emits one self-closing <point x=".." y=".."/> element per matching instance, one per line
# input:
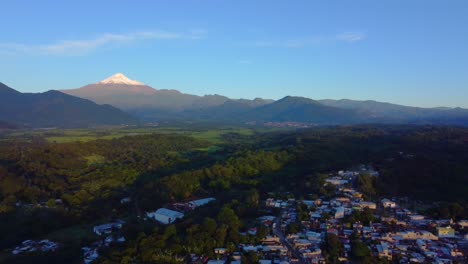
<point x="126" y="94"/>
<point x="117" y="90"/>
<point x="119" y="78"/>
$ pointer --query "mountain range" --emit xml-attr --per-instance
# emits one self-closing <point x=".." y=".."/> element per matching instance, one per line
<point x="120" y="100"/>
<point x="55" y="109"/>
<point x="129" y="95"/>
<point x="394" y="113"/>
<point x="152" y="104"/>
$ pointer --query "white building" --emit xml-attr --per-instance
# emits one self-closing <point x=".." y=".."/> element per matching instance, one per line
<point x="336" y="181"/>
<point x="371" y="205"/>
<point x="416" y="217"/>
<point x="463" y="223"/>
<point x="347" y="173"/>
<point x="125" y="200"/>
<point x="165" y="216"/>
<point x="108" y="228"/>
<point x="386" y="203"/>
<point x="339" y="212"/>
<point x="197" y="203"/>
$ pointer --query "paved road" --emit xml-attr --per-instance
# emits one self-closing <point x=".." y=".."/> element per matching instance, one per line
<point x="279" y="233"/>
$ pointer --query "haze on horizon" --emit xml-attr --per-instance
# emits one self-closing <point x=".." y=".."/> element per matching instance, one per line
<point x="405" y="52"/>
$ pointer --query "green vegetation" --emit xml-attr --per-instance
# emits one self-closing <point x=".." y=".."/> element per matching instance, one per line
<point x="57" y="184"/>
<point x="332" y="248"/>
<point x="213" y="135"/>
<point x="360" y="252"/>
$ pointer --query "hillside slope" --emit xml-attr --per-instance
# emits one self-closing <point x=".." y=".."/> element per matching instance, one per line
<point x="56" y="109"/>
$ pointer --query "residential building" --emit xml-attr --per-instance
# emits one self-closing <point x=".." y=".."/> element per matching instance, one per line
<point x="108" y="228"/>
<point x="386" y="203"/>
<point x="197" y="203"/>
<point x="445" y="232"/>
<point x="165" y="216"/>
<point x="339" y="212"/>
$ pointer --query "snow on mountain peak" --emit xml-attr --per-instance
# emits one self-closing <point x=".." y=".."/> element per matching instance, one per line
<point x="119" y="78"/>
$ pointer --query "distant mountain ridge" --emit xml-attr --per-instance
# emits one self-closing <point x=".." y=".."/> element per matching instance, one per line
<point x="158" y="104"/>
<point x="305" y="110"/>
<point x="129" y="95"/>
<point x="56" y="109"/>
<point x="5" y="125"/>
<point x="404" y="114"/>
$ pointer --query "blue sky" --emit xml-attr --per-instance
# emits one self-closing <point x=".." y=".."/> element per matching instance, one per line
<point x="408" y="52"/>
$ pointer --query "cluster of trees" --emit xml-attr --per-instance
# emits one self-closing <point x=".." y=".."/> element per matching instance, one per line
<point x="242" y="169"/>
<point x="34" y="173"/>
<point x="366" y="184"/>
<point x="453" y="210"/>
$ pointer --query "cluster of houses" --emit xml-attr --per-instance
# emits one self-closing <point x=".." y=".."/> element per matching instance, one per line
<point x="33" y="246"/>
<point x="167" y="216"/>
<point x="270" y="250"/>
<point x="111" y="233"/>
<point x="397" y="234"/>
<point x="305" y="245"/>
<point x="91" y="253"/>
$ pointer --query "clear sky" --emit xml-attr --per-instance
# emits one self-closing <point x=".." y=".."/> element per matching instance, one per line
<point x="412" y="52"/>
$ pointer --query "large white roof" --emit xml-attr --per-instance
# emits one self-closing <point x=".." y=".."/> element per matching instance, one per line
<point x="169" y="213"/>
<point x="201" y="202"/>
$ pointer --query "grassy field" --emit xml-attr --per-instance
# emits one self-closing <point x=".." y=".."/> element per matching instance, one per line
<point x="95" y="159"/>
<point x="213" y="135"/>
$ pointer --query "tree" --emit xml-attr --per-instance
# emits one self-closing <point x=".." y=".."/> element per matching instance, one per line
<point x="365" y="216"/>
<point x="50" y="203"/>
<point x="366" y="184"/>
<point x="220" y="235"/>
<point x="252" y="198"/>
<point x="209" y="225"/>
<point x="262" y="232"/>
<point x="332" y="248"/>
<point x="293" y="228"/>
<point x="170" y="232"/>
<point x="251" y="257"/>
<point x="360" y="252"/>
<point x="228" y="217"/>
